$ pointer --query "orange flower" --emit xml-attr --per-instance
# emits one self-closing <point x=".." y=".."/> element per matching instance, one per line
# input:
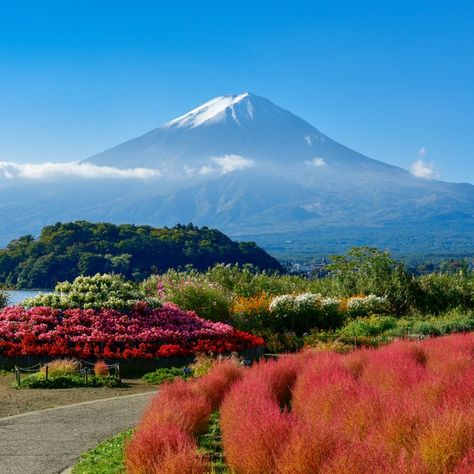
<point x="251" y="305"/>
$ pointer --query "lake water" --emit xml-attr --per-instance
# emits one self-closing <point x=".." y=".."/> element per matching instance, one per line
<point x="17" y="296"/>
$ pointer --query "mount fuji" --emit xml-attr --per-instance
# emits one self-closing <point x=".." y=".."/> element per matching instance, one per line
<point x="253" y="169"/>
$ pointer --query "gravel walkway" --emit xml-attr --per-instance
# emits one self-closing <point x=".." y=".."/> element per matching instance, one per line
<point x="49" y="441"/>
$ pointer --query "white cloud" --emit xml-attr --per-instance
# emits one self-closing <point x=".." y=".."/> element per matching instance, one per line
<point x="221" y="165"/>
<point x="318" y="162"/>
<point x="38" y="171"/>
<point x="422" y="169"/>
<point x="229" y="163"/>
<point x="205" y="170"/>
<point x="422" y="152"/>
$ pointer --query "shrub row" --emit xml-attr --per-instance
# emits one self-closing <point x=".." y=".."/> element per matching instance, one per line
<point x="375" y="330"/>
<point x="406" y="407"/>
<point x="166" y="438"/>
<point x="69" y="381"/>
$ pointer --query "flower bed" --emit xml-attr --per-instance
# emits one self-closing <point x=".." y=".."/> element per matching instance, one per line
<point x="301" y="312"/>
<point x="140" y="333"/>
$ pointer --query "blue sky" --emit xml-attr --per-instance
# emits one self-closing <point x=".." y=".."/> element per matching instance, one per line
<point x="386" y="78"/>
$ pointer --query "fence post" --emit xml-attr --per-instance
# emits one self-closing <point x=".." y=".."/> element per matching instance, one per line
<point x="46" y="371"/>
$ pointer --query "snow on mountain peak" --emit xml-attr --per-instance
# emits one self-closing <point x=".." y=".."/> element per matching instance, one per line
<point x="212" y="111"/>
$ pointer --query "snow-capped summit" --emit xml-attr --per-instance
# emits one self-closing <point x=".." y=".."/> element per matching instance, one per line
<point x="243" y="124"/>
<point x="213" y="111"/>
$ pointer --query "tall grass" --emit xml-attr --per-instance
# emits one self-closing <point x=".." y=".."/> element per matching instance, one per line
<point x="60" y="367"/>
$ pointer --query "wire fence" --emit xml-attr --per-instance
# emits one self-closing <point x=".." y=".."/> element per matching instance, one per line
<point x="84" y="368"/>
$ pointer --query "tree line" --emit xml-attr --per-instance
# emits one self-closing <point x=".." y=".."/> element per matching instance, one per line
<point x="66" y="250"/>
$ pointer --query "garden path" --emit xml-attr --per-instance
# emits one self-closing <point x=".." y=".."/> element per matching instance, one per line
<point x="48" y="441"/>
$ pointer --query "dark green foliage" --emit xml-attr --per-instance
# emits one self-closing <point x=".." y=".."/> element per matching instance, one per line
<point x="366" y="270"/>
<point x="165" y="374"/>
<point x="438" y="293"/>
<point x="64" y="251"/>
<point x="3" y="298"/>
<point x="70" y="381"/>
<point x="277" y="342"/>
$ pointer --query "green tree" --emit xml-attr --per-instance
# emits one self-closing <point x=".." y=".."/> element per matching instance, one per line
<point x="367" y="270"/>
<point x="90" y="263"/>
<point x="3" y="298"/>
<point x="64" y="251"/>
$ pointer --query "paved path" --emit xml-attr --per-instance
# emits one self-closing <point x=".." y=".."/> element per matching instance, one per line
<point x="48" y="441"/>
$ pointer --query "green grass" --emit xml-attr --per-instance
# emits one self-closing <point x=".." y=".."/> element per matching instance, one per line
<point x="105" y="458"/>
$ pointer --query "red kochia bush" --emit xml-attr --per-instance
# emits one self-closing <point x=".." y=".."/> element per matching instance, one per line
<point x="101" y="368"/>
<point x="254" y="428"/>
<point x="308" y="447"/>
<point x="180" y="404"/>
<point x="164" y="442"/>
<point x="218" y="381"/>
<point x="447" y="440"/>
<point x="163" y="449"/>
<point x="404" y="408"/>
<point x="165" y="439"/>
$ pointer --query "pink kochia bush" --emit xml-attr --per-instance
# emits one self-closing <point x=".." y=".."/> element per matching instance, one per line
<point x="140" y="333"/>
<point x="165" y="440"/>
<point x="405" y="408"/>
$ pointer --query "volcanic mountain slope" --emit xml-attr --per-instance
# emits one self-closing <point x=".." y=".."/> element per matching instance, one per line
<point x="247" y="166"/>
<point x="245" y="160"/>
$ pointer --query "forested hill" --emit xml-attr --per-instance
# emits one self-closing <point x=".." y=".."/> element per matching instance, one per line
<point x="64" y="251"/>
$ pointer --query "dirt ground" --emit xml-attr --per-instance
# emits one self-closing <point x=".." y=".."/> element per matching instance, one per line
<point x="14" y="401"/>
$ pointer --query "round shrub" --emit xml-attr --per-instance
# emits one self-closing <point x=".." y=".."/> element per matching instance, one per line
<point x="191" y="291"/>
<point x="96" y="292"/>
<point x="366" y="305"/>
<point x="370" y="326"/>
<point x="305" y="311"/>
